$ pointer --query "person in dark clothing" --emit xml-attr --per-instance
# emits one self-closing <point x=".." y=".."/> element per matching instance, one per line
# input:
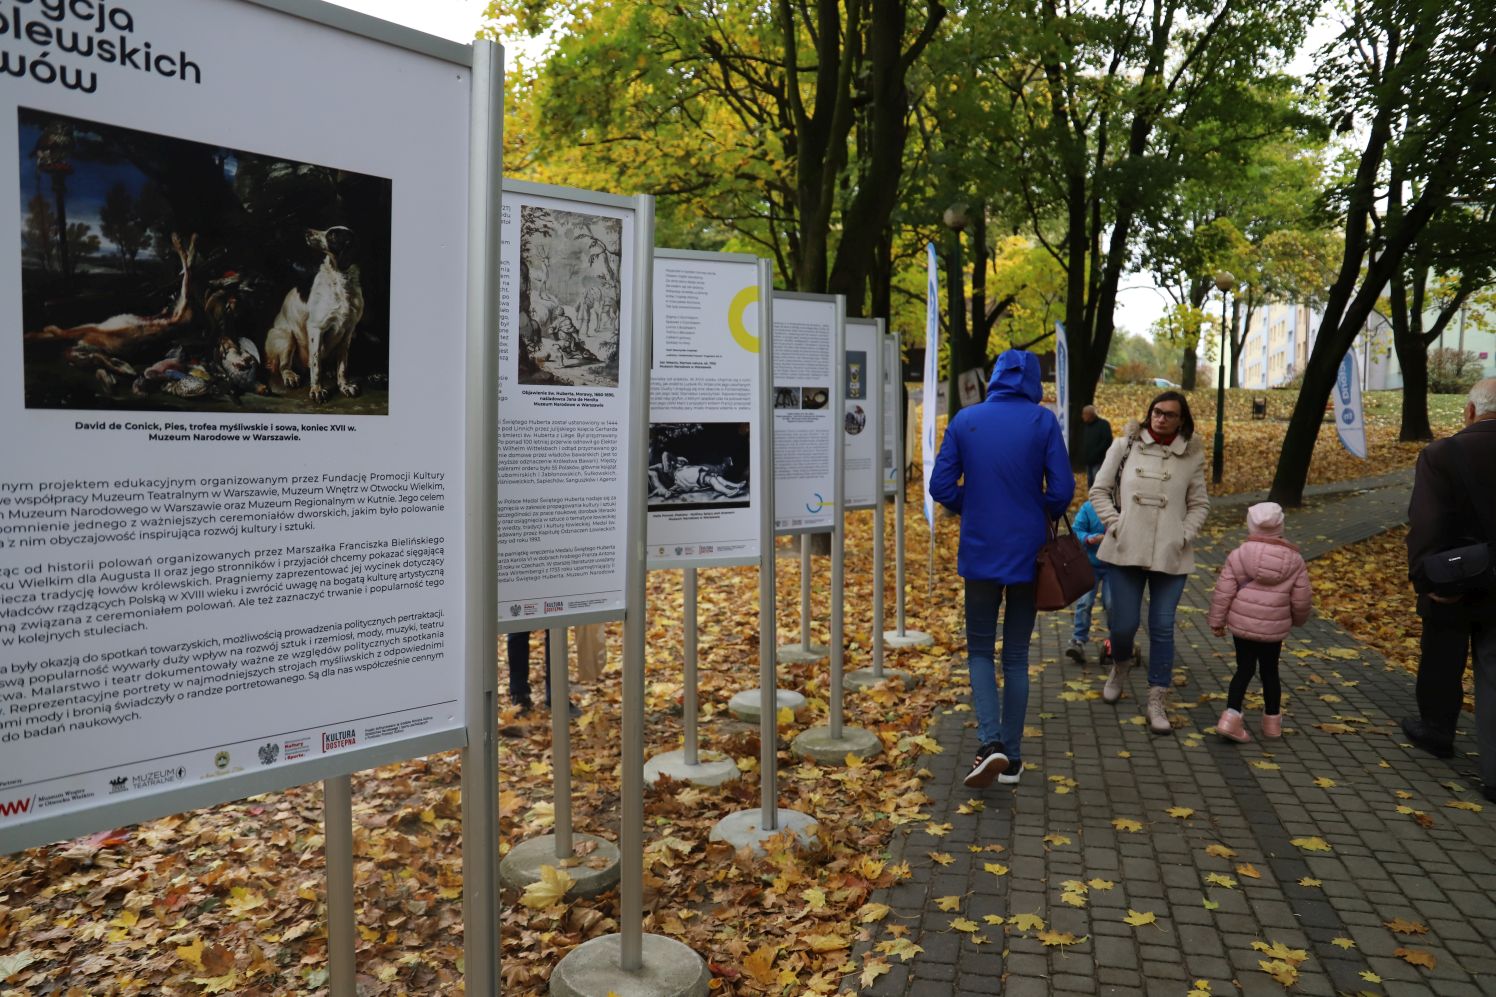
<point x="1453" y="503"/>
<point x="519" y="672"/>
<point x="1095" y="440"/>
<point x="1002" y="468"/>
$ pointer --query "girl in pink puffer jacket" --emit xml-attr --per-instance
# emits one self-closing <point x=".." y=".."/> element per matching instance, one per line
<point x="1263" y="592"/>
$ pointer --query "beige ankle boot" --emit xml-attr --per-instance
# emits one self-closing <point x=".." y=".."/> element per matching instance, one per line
<point x="1158" y="710"/>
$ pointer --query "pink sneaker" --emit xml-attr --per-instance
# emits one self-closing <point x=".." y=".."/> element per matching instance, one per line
<point x="1232" y="727"/>
<point x="1272" y="725"/>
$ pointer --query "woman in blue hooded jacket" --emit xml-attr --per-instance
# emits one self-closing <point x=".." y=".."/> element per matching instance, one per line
<point x="1004" y="470"/>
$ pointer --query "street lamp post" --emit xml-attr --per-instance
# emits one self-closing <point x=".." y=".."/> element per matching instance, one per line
<point x="1224" y="281"/>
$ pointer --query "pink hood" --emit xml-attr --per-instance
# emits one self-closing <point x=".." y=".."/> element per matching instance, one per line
<point x="1263" y="591"/>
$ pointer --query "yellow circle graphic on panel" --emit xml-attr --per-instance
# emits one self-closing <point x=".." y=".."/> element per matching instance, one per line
<point x="740" y="333"/>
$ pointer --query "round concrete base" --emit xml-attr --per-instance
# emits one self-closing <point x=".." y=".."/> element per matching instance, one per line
<point x="745" y="705"/>
<point x="795" y="654"/>
<point x="909" y="638"/>
<point x="592" y="969"/>
<point x="863" y="678"/>
<point x="744" y="829"/>
<point x="818" y="744"/>
<point x="711" y="769"/>
<point x="521" y="866"/>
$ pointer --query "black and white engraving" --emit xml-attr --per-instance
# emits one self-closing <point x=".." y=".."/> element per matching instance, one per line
<point x="698" y="465"/>
<point x="569" y="298"/>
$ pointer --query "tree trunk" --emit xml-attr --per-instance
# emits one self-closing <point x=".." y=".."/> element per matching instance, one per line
<point x="1189" y="366"/>
<point x="956" y="337"/>
<point x="1413" y="357"/>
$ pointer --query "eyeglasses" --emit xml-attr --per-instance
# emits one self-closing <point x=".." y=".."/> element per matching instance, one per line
<point x="1159" y="413"/>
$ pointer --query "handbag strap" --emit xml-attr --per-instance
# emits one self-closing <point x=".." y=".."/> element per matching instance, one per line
<point x="1117" y="481"/>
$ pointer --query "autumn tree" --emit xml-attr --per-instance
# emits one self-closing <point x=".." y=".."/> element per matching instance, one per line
<point x="781" y="124"/>
<point x="1452" y="261"/>
<point x="121" y="222"/>
<point x="1100" y="101"/>
<point x="1412" y="81"/>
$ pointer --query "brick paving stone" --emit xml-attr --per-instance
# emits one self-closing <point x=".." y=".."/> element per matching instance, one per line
<point x="1382" y="864"/>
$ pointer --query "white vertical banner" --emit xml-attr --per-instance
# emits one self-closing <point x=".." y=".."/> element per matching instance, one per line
<point x="1350" y="422"/>
<point x="892" y="398"/>
<point x="1062" y="381"/>
<point x="932" y="379"/>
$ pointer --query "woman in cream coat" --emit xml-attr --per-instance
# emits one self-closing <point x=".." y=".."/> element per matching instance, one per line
<point x="1150" y="494"/>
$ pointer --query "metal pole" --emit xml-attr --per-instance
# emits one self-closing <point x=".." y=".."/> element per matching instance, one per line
<point x="556" y="655"/>
<point x="839" y="516"/>
<point x="337" y="825"/>
<point x="1218" y="458"/>
<point x="690" y="634"/>
<point x="805" y="592"/>
<point x="635" y="626"/>
<point x="898" y="516"/>
<point x="480" y="775"/>
<point x="768" y="637"/>
<point x="879" y="498"/>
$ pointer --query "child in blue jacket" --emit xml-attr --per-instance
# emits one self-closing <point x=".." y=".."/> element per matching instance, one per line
<point x="1089" y="531"/>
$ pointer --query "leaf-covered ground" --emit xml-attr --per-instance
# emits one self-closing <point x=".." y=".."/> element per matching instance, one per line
<point x="231" y="899"/>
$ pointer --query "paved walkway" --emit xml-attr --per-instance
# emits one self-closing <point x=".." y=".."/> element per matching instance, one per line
<point x="1340" y="776"/>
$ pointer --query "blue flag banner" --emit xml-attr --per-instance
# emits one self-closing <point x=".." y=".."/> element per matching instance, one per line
<point x="1350" y="421"/>
<point x="1062" y="381"/>
<point x="932" y="380"/>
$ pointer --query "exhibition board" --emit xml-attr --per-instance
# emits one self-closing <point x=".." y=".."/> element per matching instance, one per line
<point x="808" y="345"/>
<point x="893" y="395"/>
<point x="573" y="346"/>
<point x="708" y="405"/>
<point x="233" y="482"/>
<point x="863" y="449"/>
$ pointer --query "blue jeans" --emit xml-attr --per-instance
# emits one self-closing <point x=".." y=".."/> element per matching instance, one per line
<point x="1085" y="603"/>
<point x="1124" y="612"/>
<point x="999" y="718"/>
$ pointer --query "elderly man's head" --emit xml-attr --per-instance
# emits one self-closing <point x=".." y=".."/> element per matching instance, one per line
<point x="1088" y="413"/>
<point x="1482" y="401"/>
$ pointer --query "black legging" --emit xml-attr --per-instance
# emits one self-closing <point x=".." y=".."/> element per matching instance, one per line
<point x="1250" y="655"/>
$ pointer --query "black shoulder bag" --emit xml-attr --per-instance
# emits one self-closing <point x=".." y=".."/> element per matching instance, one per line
<point x="1471" y="569"/>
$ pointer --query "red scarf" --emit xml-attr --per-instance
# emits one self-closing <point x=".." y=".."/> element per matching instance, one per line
<point x="1161" y="440"/>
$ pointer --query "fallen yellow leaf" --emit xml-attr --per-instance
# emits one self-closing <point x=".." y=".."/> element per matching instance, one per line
<point x="548" y="889"/>
<point x="1126" y="824"/>
<point x="1138" y="918"/>
<point x="1314" y="844"/>
<point x="1220" y="851"/>
<point x="948" y="903"/>
<point x="1026" y="922"/>
<point x="1181" y="812"/>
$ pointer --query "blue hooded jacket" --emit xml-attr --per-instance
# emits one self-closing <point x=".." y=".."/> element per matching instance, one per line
<point x="1017" y="474"/>
<point x="1087" y="525"/>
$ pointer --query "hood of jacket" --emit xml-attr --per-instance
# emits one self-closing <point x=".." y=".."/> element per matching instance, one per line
<point x="1016" y="376"/>
<point x="1269" y="560"/>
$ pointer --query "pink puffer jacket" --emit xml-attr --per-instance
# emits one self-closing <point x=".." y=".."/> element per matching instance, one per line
<point x="1263" y="591"/>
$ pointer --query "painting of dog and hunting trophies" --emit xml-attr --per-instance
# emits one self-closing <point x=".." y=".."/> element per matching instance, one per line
<point x="569" y="295"/>
<point x="166" y="274"/>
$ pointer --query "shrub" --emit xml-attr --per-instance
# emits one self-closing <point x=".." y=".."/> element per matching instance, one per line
<point x="1452" y="372"/>
<point x="1133" y="372"/>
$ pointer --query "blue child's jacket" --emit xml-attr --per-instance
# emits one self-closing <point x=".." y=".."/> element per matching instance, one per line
<point x="1087" y="524"/>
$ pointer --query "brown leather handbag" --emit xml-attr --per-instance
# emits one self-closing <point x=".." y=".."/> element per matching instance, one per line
<point x="1064" y="572"/>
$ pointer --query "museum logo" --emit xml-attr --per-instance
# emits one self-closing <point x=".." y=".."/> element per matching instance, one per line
<point x="118" y="784"/>
<point x="339" y="739"/>
<point x="160" y="777"/>
<point x="221" y="760"/>
<point x="12" y="808"/>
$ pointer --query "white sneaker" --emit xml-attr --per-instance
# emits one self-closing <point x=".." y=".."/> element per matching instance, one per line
<point x="1012" y="775"/>
<point x="990" y="763"/>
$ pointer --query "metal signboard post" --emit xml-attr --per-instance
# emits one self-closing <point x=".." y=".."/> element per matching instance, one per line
<point x="887" y="475"/>
<point x="187" y="476"/>
<point x="859" y="457"/>
<point x="571" y="342"/>
<point x="807" y="337"/>
<point x="711" y="447"/>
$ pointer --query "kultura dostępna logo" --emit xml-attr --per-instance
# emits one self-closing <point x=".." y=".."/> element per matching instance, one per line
<point x="339" y="739"/>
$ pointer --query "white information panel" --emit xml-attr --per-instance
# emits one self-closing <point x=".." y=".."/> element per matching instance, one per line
<point x="862" y="416"/>
<point x="232" y="473"/>
<point x="566" y="463"/>
<point x="807" y="404"/>
<point x="892" y="398"/>
<point x="706" y="404"/>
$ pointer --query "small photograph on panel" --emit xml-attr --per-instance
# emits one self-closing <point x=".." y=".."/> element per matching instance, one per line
<point x="569" y="298"/>
<point x="698" y="465"/>
<point x="855" y="421"/>
<point x="856" y="383"/>
<point x="786" y="397"/>
<point x="815" y="397"/>
<point x="166" y="274"/>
